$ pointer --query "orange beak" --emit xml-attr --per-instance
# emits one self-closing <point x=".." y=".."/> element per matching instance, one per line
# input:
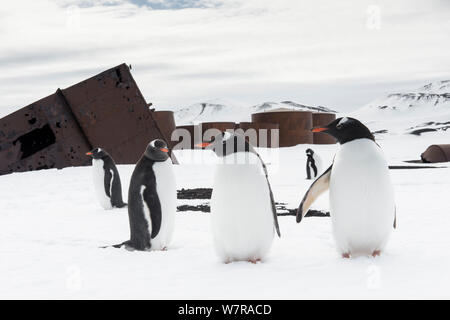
<point x="203" y="144"/>
<point x="89" y="153"/>
<point x="164" y="150"/>
<point x="318" y="129"/>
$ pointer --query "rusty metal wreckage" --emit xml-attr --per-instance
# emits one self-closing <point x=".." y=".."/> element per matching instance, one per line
<point x="109" y="111"/>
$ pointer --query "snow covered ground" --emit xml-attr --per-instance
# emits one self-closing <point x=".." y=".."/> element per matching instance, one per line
<point x="51" y="228"/>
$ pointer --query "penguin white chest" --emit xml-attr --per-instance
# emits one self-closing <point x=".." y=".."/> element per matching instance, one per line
<point x="242" y="218"/>
<point x="98" y="174"/>
<point x="167" y="194"/>
<point x="361" y="198"/>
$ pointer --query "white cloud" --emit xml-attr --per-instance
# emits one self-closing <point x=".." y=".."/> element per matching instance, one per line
<point x="248" y="50"/>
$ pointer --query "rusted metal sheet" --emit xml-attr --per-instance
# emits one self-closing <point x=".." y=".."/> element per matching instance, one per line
<point x="322" y="119"/>
<point x="166" y="118"/>
<point x="113" y="114"/>
<point x="436" y="153"/>
<point x="42" y="135"/>
<point x="295" y="126"/>
<point x="107" y="111"/>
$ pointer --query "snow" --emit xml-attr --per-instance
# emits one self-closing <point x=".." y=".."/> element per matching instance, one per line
<point x="52" y="228"/>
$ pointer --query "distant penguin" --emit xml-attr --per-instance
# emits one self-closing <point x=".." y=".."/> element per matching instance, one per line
<point x="244" y="217"/>
<point x="362" y="206"/>
<point x="106" y="179"/>
<point x="313" y="164"/>
<point x="152" y="200"/>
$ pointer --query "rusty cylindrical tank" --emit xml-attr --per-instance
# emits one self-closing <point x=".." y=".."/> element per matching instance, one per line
<point x="436" y="153"/>
<point x="260" y="140"/>
<point x="295" y="126"/>
<point x="193" y="137"/>
<point x="322" y="119"/>
<point x="166" y="123"/>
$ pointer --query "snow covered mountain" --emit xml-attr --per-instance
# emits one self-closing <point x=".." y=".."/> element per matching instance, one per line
<point x="422" y="110"/>
<point x="224" y="110"/>
<point x="426" y="109"/>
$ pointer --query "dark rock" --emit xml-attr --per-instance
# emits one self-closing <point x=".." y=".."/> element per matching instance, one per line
<point x="418" y="132"/>
<point x="205" y="193"/>
<point x="196" y="193"/>
<point x="200" y="207"/>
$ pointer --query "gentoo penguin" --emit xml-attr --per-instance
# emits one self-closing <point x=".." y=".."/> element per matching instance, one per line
<point x="362" y="206"/>
<point x="152" y="200"/>
<point x="244" y="217"/>
<point x="106" y="179"/>
<point x="313" y="163"/>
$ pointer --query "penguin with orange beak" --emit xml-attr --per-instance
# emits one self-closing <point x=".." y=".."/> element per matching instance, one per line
<point x="152" y="199"/>
<point x="362" y="204"/>
<point x="243" y="213"/>
<point x="106" y="179"/>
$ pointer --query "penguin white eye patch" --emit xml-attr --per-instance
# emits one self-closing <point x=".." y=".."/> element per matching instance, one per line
<point x="342" y="122"/>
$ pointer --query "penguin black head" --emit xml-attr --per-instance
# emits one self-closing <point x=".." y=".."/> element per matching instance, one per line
<point x="346" y="129"/>
<point x="157" y="150"/>
<point x="227" y="143"/>
<point x="309" y="152"/>
<point x="98" y="153"/>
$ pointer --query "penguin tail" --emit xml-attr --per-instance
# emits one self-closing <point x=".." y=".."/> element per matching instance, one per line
<point x="117" y="246"/>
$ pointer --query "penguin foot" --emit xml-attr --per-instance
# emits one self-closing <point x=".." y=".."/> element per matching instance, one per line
<point x="254" y="261"/>
<point x="346" y="255"/>
<point x="376" y="253"/>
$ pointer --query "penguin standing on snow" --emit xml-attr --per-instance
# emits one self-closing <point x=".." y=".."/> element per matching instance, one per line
<point x="106" y="179"/>
<point x="152" y="200"/>
<point x="313" y="163"/>
<point x="244" y="217"/>
<point x="362" y="206"/>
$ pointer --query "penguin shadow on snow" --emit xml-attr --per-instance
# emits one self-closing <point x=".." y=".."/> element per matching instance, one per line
<point x="361" y="195"/>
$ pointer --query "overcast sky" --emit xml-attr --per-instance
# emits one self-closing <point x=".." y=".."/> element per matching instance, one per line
<point x="340" y="54"/>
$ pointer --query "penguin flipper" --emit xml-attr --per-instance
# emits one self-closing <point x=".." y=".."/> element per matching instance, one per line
<point x="153" y="204"/>
<point x="107" y="182"/>
<point x="274" y="208"/>
<point x="274" y="211"/>
<point x="318" y="187"/>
